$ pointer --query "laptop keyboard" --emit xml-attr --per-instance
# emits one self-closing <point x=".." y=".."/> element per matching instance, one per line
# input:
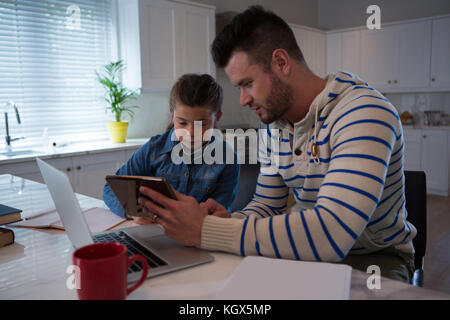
<point x="133" y="248"/>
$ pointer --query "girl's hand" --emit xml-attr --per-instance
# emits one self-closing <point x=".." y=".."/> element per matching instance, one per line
<point x="140" y="220"/>
<point x="212" y="207"/>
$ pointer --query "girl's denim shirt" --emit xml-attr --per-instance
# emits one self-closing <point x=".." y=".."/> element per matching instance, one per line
<point x="201" y="181"/>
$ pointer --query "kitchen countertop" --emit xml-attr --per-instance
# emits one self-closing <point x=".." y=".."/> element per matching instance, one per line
<point x="75" y="149"/>
<point x="414" y="127"/>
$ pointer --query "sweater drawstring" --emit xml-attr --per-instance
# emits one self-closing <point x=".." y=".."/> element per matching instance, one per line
<point x="314" y="147"/>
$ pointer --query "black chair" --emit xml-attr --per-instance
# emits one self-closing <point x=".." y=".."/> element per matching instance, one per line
<point x="246" y="186"/>
<point x="416" y="205"/>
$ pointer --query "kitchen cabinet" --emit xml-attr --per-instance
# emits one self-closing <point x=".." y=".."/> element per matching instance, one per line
<point x="351" y="51"/>
<point x="377" y="57"/>
<point x="344" y="52"/>
<point x="333" y="52"/>
<point x="397" y="56"/>
<point x="413" y="149"/>
<point x="86" y="172"/>
<point x="89" y="171"/>
<point x="412" y="67"/>
<point x="161" y="40"/>
<point x="440" y="53"/>
<point x="427" y="150"/>
<point x="313" y="46"/>
<point x="408" y="56"/>
<point x="435" y="160"/>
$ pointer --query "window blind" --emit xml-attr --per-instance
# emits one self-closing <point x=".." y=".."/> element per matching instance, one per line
<point x="49" y="52"/>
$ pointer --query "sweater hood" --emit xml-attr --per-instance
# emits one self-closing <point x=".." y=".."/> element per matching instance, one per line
<point x="328" y="98"/>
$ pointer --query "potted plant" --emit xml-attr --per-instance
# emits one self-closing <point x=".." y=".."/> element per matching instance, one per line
<point x="116" y="95"/>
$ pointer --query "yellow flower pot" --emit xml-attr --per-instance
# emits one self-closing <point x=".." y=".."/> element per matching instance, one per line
<point x="118" y="131"/>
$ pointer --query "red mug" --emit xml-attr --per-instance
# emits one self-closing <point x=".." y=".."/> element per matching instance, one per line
<point x="103" y="271"/>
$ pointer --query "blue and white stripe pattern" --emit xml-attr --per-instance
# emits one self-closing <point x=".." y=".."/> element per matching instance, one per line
<point x="350" y="202"/>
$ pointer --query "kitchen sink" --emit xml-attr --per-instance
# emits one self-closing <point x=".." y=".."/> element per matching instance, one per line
<point x="16" y="153"/>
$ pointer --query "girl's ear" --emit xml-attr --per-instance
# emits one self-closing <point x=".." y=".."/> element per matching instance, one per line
<point x="171" y="112"/>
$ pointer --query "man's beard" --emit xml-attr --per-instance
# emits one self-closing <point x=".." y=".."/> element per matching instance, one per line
<point x="278" y="102"/>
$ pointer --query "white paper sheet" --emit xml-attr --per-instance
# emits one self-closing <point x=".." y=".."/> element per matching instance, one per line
<point x="97" y="219"/>
<point x="259" y="278"/>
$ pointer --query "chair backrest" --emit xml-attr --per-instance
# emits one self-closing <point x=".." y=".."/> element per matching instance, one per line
<point x="416" y="206"/>
<point x="246" y="187"/>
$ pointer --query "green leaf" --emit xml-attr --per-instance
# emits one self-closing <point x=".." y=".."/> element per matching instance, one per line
<point x="116" y="95"/>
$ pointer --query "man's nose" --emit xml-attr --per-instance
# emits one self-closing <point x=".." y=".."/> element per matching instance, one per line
<point x="245" y="98"/>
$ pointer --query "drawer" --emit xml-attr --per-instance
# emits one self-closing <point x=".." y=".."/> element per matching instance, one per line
<point x="412" y="135"/>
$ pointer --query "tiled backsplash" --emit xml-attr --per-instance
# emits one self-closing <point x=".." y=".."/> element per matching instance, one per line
<point x="418" y="103"/>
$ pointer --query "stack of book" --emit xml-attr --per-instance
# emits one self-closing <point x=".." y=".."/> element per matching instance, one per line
<point x="8" y="215"/>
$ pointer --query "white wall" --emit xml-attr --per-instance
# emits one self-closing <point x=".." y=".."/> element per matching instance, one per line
<point x="338" y="14"/>
<point x="234" y="115"/>
<point x="302" y="12"/>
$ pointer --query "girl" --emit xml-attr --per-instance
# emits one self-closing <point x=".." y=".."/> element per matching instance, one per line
<point x="193" y="98"/>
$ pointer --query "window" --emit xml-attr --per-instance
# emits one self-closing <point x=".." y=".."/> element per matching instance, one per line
<point x="49" y="51"/>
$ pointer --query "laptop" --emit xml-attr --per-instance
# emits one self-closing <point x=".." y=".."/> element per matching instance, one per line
<point x="162" y="253"/>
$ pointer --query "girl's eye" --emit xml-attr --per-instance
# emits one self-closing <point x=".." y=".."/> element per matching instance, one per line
<point x="182" y="123"/>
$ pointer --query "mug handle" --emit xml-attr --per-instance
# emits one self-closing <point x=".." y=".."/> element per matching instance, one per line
<point x="140" y="258"/>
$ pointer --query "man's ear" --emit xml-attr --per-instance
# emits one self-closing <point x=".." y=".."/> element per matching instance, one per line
<point x="218" y="116"/>
<point x="281" y="62"/>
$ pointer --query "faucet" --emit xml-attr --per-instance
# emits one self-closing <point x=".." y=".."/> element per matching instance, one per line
<point x="8" y="137"/>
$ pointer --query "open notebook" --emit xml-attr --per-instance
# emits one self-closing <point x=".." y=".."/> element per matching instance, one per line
<point x="259" y="278"/>
<point x="97" y="219"/>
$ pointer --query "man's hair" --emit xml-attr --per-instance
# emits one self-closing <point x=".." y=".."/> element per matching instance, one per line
<point x="257" y="32"/>
<point x="197" y="90"/>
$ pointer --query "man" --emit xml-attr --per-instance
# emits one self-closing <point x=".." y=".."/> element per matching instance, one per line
<point x="340" y="152"/>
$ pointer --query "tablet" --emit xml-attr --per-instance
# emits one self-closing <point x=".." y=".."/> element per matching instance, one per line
<point x="126" y="189"/>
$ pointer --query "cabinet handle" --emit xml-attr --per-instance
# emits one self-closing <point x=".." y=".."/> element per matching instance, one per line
<point x="68" y="169"/>
<point x="424" y="136"/>
<point x="389" y="81"/>
<point x="395" y="81"/>
<point x="78" y="167"/>
<point x="433" y="79"/>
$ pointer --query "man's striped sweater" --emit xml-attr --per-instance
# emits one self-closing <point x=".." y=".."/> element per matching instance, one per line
<point x="349" y="197"/>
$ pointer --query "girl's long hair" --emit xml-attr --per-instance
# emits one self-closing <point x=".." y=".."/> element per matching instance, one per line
<point x="196" y="90"/>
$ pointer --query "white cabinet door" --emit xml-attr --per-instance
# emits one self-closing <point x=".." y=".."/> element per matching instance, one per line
<point x="174" y="39"/>
<point x="413" y="149"/>
<point x="312" y="44"/>
<point x="157" y="41"/>
<point x="195" y="31"/>
<point x="378" y="57"/>
<point x="90" y="171"/>
<point x="435" y="160"/>
<point x="27" y="170"/>
<point x="334" y="52"/>
<point x="65" y="165"/>
<point x="351" y="51"/>
<point x="440" y="53"/>
<point x="413" y="45"/>
<point x="317" y="53"/>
